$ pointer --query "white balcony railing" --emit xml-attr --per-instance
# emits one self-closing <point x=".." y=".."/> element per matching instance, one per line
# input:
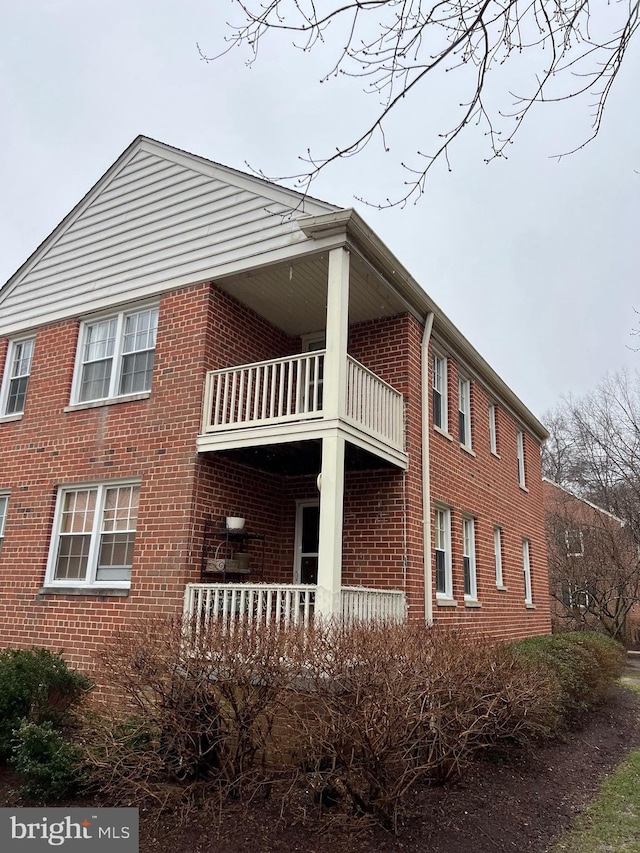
<point x="284" y="604"/>
<point x="290" y="389"/>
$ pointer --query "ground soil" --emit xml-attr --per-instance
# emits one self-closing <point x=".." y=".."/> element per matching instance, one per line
<point x="525" y="803"/>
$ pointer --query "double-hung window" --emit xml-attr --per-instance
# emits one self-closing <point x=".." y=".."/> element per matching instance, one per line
<point x="115" y="355"/>
<point x="443" y="552"/>
<point x="16" y="377"/>
<point x="4" y="505"/>
<point x="526" y="568"/>
<point x="493" y="431"/>
<point x="94" y="535"/>
<point x="575" y="543"/>
<point x="469" y="558"/>
<point x="440" y="391"/>
<point x="464" y="411"/>
<point x="520" y="454"/>
<point x="497" y="555"/>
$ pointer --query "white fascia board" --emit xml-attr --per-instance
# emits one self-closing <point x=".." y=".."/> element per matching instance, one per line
<point x="348" y="221"/>
<point x="597" y="508"/>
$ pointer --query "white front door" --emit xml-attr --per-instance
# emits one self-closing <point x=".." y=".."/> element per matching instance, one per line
<point x="306" y="542"/>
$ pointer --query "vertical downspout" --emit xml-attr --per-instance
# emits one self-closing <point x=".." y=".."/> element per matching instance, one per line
<point x="426" y="472"/>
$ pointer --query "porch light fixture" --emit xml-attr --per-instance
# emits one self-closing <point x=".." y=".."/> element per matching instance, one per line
<point x="235" y="524"/>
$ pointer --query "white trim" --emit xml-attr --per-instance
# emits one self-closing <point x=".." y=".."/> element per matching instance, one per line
<point x="4" y="499"/>
<point x="440" y="386"/>
<point x="116" y="357"/>
<point x="90" y="581"/>
<point x="497" y="556"/>
<point x="493" y="428"/>
<point x="464" y="409"/>
<point x="301" y="505"/>
<point x="447" y="592"/>
<point x="585" y="501"/>
<point x="469" y="553"/>
<point x="8" y="375"/>
<point x="522" y="478"/>
<point x="526" y="569"/>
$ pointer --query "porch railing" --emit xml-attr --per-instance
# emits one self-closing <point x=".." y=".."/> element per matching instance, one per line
<point x="373" y="605"/>
<point x="291" y="389"/>
<point x="283" y="604"/>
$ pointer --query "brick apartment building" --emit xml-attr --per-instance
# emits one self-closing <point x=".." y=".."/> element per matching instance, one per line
<point x="192" y="343"/>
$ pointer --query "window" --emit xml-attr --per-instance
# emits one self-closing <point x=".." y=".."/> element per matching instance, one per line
<point x="440" y="392"/>
<point x="95" y="531"/>
<point x="575" y="543"/>
<point x="443" y="552"/>
<point x="464" y="411"/>
<point x="116" y="356"/>
<point x="18" y="370"/>
<point x="307" y="538"/>
<point x="526" y="568"/>
<point x="520" y="452"/>
<point x="469" y="558"/>
<point x="497" y="553"/>
<point x="574" y="597"/>
<point x="493" y="435"/>
<point x="4" y="505"/>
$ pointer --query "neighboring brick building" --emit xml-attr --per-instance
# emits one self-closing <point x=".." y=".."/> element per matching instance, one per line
<point x="594" y="577"/>
<point x="193" y="343"/>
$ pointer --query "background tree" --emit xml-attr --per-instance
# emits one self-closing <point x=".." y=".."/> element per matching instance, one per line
<point x="505" y="55"/>
<point x="594" y="450"/>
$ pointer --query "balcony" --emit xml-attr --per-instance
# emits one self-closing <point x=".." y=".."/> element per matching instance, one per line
<point x="284" y="604"/>
<point x="282" y="399"/>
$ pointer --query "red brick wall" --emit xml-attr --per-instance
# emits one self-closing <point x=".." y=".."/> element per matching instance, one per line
<point x="201" y="328"/>
<point x="486" y="487"/>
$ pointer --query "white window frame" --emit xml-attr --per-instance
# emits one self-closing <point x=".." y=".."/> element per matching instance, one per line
<point x="470" y="577"/>
<point x="439" y="386"/>
<point x="442" y="543"/>
<point x="497" y="555"/>
<point x="520" y="454"/>
<point x="493" y="429"/>
<point x="464" y="411"/>
<point x="298" y="553"/>
<point x="4" y="510"/>
<point x="13" y="372"/>
<point x="89" y="580"/>
<point x="568" y="535"/>
<point x="526" y="570"/>
<point x="116" y="357"/>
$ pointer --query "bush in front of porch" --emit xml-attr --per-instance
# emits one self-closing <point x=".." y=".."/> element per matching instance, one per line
<point x="336" y="719"/>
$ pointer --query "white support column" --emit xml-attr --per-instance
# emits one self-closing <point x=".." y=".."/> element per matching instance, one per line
<point x="333" y="443"/>
<point x="330" y="538"/>
<point x="334" y="392"/>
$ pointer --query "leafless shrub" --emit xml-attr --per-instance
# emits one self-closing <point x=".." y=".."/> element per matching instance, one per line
<point x="390" y="706"/>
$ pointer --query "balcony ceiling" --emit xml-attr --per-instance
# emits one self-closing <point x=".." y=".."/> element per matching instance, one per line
<point x="293" y="296"/>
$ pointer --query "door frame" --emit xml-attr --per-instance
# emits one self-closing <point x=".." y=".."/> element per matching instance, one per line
<point x="301" y="505"/>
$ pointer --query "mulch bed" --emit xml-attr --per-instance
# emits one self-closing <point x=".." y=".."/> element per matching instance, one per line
<point x="523" y="804"/>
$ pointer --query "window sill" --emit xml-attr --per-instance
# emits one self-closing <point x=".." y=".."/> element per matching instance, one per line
<point x="467" y="449"/>
<point x="472" y="603"/>
<point x="494" y="453"/>
<point x="443" y="432"/>
<point x="101" y="591"/>
<point x="524" y="488"/>
<point x="6" y="419"/>
<point x="502" y="588"/>
<point x="111" y="401"/>
<point x="529" y="605"/>
<point x="446" y="602"/>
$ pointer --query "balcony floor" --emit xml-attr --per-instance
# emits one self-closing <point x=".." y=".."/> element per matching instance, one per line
<point x="301" y="457"/>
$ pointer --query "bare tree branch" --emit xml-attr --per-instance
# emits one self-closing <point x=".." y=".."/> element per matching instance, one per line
<point x="399" y="48"/>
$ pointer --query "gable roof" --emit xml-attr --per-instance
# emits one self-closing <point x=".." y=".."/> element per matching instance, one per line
<point x="157" y="219"/>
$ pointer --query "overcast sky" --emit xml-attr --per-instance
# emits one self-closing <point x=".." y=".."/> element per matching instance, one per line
<point x="535" y="261"/>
